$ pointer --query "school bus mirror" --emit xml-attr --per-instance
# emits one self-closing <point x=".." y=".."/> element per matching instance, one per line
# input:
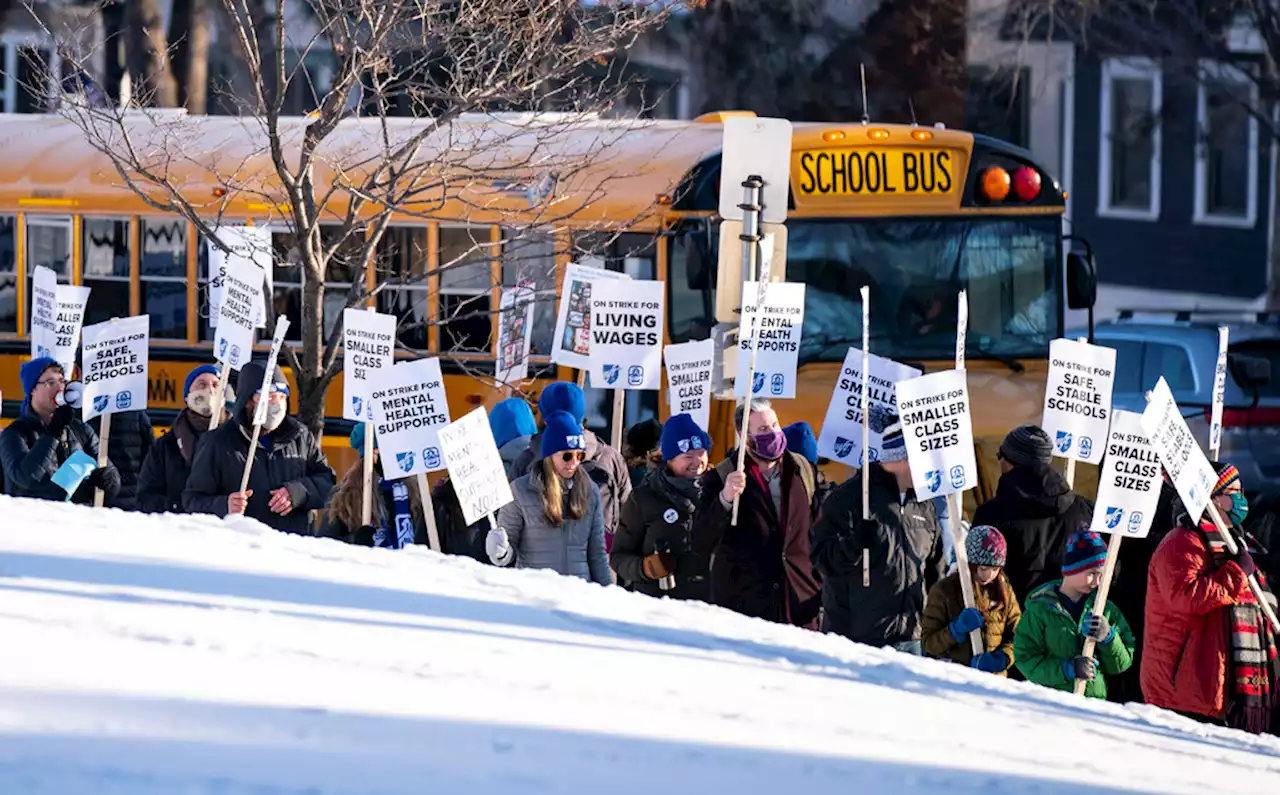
<point x="1082" y="280"/>
<point x="729" y="274"/>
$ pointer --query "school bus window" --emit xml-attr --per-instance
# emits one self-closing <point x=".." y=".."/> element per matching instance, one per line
<point x="401" y="262"/>
<point x="106" y="268"/>
<point x="465" y="281"/>
<point x="49" y="244"/>
<point x="8" y="275"/>
<point x="531" y="257"/>
<point x="631" y="253"/>
<point x="691" y="298"/>
<point x="163" y="273"/>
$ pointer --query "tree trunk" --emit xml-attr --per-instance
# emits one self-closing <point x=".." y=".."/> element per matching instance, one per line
<point x="310" y="381"/>
<point x="148" y="54"/>
<point x="189" y="32"/>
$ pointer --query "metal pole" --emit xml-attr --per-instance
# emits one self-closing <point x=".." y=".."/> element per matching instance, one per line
<point x="750" y="237"/>
<point x="866" y="433"/>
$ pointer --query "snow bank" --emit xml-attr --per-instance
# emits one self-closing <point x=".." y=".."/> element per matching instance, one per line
<point x="154" y="655"/>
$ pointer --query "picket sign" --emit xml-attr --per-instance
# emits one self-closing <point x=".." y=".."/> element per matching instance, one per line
<point x="1070" y="471"/>
<point x="114" y="372"/>
<point x="1219" y="394"/>
<point x="368" y="346"/>
<point x="240" y="304"/>
<point x="264" y="394"/>
<point x="954" y="502"/>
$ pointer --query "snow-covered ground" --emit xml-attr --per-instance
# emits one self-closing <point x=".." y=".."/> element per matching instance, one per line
<point x="164" y="655"/>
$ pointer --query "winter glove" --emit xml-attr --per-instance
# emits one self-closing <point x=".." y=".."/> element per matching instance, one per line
<point x="1080" y="668"/>
<point x="659" y="565"/>
<point x="62" y="416"/>
<point x="498" y="547"/>
<point x="1245" y="561"/>
<point x="1098" y="628"/>
<point x="993" y="662"/>
<point x="363" y="536"/>
<point x="105" y="478"/>
<point x="968" y="620"/>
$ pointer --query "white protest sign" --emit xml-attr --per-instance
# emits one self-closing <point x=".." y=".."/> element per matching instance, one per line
<point x="115" y="366"/>
<point x="264" y="394"/>
<point x="689" y="367"/>
<point x="841" y="436"/>
<point x="409" y="409"/>
<point x="777" y="329"/>
<point x="755" y="147"/>
<point x="368" y="341"/>
<point x="1219" y="393"/>
<point x="1077" y="398"/>
<point x="1190" y="471"/>
<point x="44" y="312"/>
<point x="70" y="302"/>
<point x="572" y="344"/>
<point x="241" y="300"/>
<point x="248" y="244"/>
<point x="475" y="468"/>
<point x="626" y="334"/>
<point x="938" y="429"/>
<point x="515" y="333"/>
<point x="1129" y="484"/>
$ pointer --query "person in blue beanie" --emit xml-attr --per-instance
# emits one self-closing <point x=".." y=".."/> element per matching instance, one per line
<point x="801" y="439"/>
<point x="513" y="427"/>
<point x="652" y="552"/>
<point x="45" y="435"/>
<point x="555" y="521"/>
<point x="165" y="471"/>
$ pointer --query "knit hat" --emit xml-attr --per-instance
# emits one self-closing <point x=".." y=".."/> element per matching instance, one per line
<point x="194" y="374"/>
<point x="1085" y="550"/>
<point x="511" y="419"/>
<point x="357" y="438"/>
<point x="1227" y="474"/>
<point x="562" y="433"/>
<point x="893" y="445"/>
<point x="562" y="396"/>
<point x="986" y="546"/>
<point x="30" y="372"/>
<point x="800" y="439"/>
<point x="643" y="437"/>
<point x="680" y="434"/>
<point x="1027" y="445"/>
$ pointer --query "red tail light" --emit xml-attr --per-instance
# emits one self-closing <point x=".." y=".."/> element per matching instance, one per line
<point x="1247" y="418"/>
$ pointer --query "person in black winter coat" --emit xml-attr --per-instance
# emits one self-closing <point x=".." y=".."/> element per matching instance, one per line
<point x="651" y="551"/>
<point x="131" y="442"/>
<point x="456" y="536"/>
<point x="44" y="436"/>
<point x="290" y="476"/>
<point x="1034" y="508"/>
<point x="165" y="472"/>
<point x="880" y="604"/>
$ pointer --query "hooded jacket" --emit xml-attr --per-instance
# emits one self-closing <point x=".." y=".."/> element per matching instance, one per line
<point x="1036" y="511"/>
<point x="1048" y="635"/>
<point x="604" y="465"/>
<point x="653" y="515"/>
<point x="30" y="455"/>
<point x="288" y="457"/>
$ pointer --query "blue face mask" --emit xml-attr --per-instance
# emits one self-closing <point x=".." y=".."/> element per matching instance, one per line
<point x="1239" y="508"/>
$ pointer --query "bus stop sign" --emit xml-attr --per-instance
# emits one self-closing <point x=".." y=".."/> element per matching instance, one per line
<point x="759" y="147"/>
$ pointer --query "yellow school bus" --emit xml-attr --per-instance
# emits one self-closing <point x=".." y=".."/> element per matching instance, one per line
<point x="915" y="213"/>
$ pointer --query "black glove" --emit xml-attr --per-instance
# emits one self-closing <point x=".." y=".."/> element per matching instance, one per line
<point x="1098" y="628"/>
<point x="363" y="536"/>
<point x="1244" y="560"/>
<point x="62" y="416"/>
<point x="105" y="478"/>
<point x="1080" y="668"/>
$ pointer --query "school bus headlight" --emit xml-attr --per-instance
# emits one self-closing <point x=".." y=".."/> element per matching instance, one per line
<point x="878" y="134"/>
<point x="1026" y="183"/>
<point x="922" y="135"/>
<point x="831" y="136"/>
<point x="995" y="183"/>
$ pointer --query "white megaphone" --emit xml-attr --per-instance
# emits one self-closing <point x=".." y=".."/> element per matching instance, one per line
<point x="72" y="395"/>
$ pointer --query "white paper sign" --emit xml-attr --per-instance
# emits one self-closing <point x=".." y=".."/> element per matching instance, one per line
<point x="1077" y="398"/>
<point x="1129" y="484"/>
<point x="115" y="366"/>
<point x="689" y="367"/>
<point x="841" y="436"/>
<point x="248" y="244"/>
<point x="71" y="302"/>
<point x="572" y="346"/>
<point x="44" y="312"/>
<point x="755" y="147"/>
<point x="264" y="394"/>
<point x="242" y="299"/>
<point x="409" y="409"/>
<point x="938" y="429"/>
<point x="515" y="333"/>
<point x="1182" y="458"/>
<point x="1219" y="392"/>
<point x="626" y="334"/>
<point x="778" y="329"/>
<point x="475" y="468"/>
<point x="368" y="340"/>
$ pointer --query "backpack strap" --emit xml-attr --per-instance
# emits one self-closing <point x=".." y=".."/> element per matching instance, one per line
<point x="806" y="474"/>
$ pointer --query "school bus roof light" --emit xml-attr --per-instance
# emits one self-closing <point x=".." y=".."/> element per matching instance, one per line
<point x="219" y="192"/>
<point x="831" y="136"/>
<point x="878" y="134"/>
<point x="1026" y="183"/>
<point x="922" y="135"/>
<point x="995" y="183"/>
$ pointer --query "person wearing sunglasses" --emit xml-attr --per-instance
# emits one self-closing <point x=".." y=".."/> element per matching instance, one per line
<point x="556" y="520"/>
<point x="46" y="433"/>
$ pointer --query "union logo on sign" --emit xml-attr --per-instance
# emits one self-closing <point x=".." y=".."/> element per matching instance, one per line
<point x="1086" y="446"/>
<point x="933" y="479"/>
<point x="777" y="382"/>
<point x="405" y="460"/>
<point x="124" y="400"/>
<point x="1063" y="441"/>
<point x="1114" y="515"/>
<point x="957" y="477"/>
<point x="757" y="383"/>
<point x="432" y="456"/>
<point x="843" y="447"/>
<point x="356" y="405"/>
<point x="635" y="375"/>
<point x="100" y="402"/>
<point x="611" y="373"/>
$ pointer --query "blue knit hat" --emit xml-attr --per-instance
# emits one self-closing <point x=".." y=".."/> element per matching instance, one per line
<point x="800" y="439"/>
<point x="31" y="371"/>
<point x="511" y="419"/>
<point x="194" y="374"/>
<point x="562" y="433"/>
<point x="1085" y="550"/>
<point x="562" y="396"/>
<point x="357" y="438"/>
<point x="680" y="434"/>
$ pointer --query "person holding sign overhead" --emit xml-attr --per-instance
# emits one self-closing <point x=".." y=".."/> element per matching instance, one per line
<point x="165" y="472"/>
<point x="290" y="476"/>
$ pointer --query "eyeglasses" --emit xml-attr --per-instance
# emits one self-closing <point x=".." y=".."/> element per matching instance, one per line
<point x="58" y="382"/>
<point x="572" y="455"/>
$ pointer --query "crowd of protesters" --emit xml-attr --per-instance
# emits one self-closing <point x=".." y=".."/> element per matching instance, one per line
<point x="774" y="540"/>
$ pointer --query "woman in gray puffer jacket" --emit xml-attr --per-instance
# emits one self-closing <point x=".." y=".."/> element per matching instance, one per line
<point x="556" y="520"/>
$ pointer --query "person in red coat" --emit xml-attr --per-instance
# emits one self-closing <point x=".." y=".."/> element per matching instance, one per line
<point x="1209" y="653"/>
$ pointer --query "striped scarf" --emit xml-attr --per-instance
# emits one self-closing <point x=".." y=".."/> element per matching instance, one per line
<point x="1254" y="661"/>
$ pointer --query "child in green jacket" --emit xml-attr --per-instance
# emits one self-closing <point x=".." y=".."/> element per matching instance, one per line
<point x="1058" y="617"/>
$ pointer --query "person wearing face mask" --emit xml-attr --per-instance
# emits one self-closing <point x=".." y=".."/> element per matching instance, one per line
<point x="165" y="471"/>
<point x="651" y="551"/>
<point x="556" y="520"/>
<point x="1209" y="652"/>
<point x="761" y="566"/>
<point x="290" y="475"/>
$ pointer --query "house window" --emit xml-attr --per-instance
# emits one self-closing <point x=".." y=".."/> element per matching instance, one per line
<point x="1129" y="146"/>
<point x="1226" y="148"/>
<point x="30" y="74"/>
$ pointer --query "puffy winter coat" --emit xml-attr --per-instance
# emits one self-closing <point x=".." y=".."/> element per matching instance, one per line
<point x="1047" y="636"/>
<point x="946" y="601"/>
<point x="655" y="514"/>
<point x="1186" y="648"/>
<point x="905" y="555"/>
<point x="165" y="472"/>
<point x="456" y="536"/>
<point x="1036" y="511"/>
<point x="604" y="465"/>
<point x="575" y="549"/>
<point x="30" y="455"/>
<point x="132" y="438"/>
